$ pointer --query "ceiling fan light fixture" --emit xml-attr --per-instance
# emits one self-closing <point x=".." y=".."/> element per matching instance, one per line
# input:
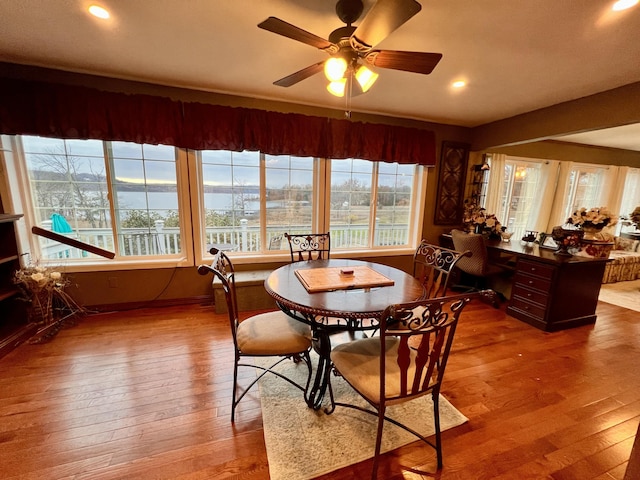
<point x="366" y="78"/>
<point x="337" y="87"/>
<point x="334" y="68"/>
<point x="623" y="5"/>
<point x="99" y="12"/>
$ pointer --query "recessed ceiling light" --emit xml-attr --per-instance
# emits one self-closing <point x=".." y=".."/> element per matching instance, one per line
<point x="99" y="12"/>
<point x="623" y="5"/>
<point x="459" y="84"/>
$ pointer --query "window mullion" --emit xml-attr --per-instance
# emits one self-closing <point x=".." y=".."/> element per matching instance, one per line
<point x="263" y="201"/>
<point x="113" y="198"/>
<point x="373" y="226"/>
<point x="322" y="194"/>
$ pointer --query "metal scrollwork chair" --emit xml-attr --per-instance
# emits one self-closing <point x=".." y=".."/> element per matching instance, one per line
<point x="271" y="334"/>
<point x="432" y="265"/>
<point x="309" y="246"/>
<point x="392" y="369"/>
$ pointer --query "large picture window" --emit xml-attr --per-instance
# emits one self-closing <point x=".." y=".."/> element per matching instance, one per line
<point x="520" y="187"/>
<point x="157" y="203"/>
<point x="630" y="198"/>
<point x="119" y="196"/>
<point x="536" y="194"/>
<point x="364" y="204"/>
<point x="586" y="188"/>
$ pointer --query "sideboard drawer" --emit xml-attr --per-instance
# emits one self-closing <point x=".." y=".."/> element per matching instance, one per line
<point x="529" y="281"/>
<point x="532" y="296"/>
<point x="531" y="309"/>
<point x="534" y="268"/>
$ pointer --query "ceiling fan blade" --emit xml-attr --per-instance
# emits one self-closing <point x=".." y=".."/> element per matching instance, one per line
<point x="417" y="62"/>
<point x="384" y="17"/>
<point x="300" y="75"/>
<point x="275" y="25"/>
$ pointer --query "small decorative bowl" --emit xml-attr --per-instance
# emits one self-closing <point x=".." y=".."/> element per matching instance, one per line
<point x="506" y="236"/>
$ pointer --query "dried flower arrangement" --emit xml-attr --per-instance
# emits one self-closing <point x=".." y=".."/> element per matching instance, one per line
<point x="44" y="289"/>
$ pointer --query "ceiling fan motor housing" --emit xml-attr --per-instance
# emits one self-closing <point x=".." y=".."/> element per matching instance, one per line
<point x="341" y="34"/>
<point x="349" y="10"/>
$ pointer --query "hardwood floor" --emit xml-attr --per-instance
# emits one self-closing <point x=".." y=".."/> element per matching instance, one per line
<point x="145" y="394"/>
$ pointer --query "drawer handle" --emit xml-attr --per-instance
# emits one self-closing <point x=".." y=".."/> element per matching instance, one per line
<point x="529" y="295"/>
<point x="530" y="282"/>
<point x="533" y="269"/>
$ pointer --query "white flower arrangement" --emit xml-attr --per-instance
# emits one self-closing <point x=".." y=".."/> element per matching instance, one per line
<point x="477" y="216"/>
<point x="597" y="217"/>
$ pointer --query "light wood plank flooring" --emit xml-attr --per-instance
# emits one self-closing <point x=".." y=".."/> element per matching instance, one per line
<point x="145" y="394"/>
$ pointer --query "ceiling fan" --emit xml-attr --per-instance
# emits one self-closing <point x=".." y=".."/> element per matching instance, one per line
<point x="350" y="44"/>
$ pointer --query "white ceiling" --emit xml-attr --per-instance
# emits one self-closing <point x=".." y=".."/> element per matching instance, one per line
<point x="516" y="56"/>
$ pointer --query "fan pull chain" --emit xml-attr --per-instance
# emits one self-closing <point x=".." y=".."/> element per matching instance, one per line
<point x="347" y="96"/>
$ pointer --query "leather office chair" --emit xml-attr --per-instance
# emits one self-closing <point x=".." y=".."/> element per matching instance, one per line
<point x="432" y="265"/>
<point x="477" y="264"/>
<point x="309" y="246"/>
<point x="271" y="334"/>
<point x="391" y="368"/>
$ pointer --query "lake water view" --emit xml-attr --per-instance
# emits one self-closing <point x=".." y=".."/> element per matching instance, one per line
<point x="219" y="202"/>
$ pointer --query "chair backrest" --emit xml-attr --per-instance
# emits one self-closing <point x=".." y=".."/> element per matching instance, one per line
<point x="432" y="265"/>
<point x="222" y="270"/>
<point x="309" y="246"/>
<point x="478" y="262"/>
<point x="417" y="339"/>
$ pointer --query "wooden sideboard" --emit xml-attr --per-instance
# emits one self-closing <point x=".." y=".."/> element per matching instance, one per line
<point x="551" y="292"/>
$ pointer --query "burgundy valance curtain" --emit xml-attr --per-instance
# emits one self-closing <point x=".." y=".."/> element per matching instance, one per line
<point x="65" y="111"/>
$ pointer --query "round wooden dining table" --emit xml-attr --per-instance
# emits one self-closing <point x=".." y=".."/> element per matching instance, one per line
<point x="353" y="302"/>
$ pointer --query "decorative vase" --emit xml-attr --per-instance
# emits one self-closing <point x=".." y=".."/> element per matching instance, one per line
<point x="479" y="227"/>
<point x="590" y="233"/>
<point x="506" y="236"/>
<point x="596" y="248"/>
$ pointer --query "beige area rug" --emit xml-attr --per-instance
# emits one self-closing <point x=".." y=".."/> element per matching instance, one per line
<point x="624" y="294"/>
<point x="303" y="443"/>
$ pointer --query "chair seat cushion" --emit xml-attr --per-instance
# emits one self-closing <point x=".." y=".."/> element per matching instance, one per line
<point x="359" y="364"/>
<point x="273" y="333"/>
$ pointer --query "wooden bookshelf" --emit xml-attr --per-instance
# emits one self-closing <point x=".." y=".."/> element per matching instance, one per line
<point x="14" y="326"/>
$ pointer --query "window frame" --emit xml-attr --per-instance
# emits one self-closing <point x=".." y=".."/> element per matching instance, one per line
<point x="20" y="201"/>
<point x="191" y="208"/>
<point x="320" y="217"/>
<point x="569" y="203"/>
<point x="516" y="163"/>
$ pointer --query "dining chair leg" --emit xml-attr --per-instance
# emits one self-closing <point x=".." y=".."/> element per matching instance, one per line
<point x="376" y="458"/>
<point x="235" y="390"/>
<point x="436" y="420"/>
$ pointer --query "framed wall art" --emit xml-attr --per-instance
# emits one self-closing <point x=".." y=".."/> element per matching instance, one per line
<point x="452" y="172"/>
<point x="547" y="241"/>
